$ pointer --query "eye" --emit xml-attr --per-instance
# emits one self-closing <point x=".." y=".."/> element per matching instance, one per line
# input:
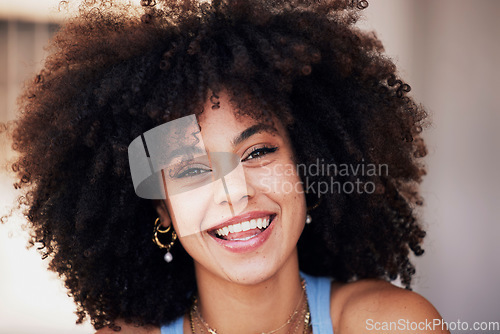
<point x="259" y="152"/>
<point x="190" y="171"/>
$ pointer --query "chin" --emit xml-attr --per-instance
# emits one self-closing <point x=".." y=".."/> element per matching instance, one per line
<point x="250" y="275"/>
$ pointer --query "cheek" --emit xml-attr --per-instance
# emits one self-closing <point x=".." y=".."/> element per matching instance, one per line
<point x="188" y="209"/>
<point x="278" y="179"/>
<point x="193" y="245"/>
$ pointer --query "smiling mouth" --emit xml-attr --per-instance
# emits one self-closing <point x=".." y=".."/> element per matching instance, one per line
<point x="244" y="230"/>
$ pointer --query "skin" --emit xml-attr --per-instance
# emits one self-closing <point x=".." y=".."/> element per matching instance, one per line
<point x="243" y="281"/>
<point x="266" y="280"/>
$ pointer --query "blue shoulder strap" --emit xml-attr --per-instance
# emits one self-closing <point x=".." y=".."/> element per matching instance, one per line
<point x="175" y="327"/>
<point x="318" y="296"/>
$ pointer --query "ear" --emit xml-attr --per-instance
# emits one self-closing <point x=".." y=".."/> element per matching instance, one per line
<point x="162" y="210"/>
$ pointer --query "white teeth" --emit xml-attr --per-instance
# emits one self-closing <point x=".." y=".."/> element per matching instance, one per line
<point x="253" y="224"/>
<point x="243" y="226"/>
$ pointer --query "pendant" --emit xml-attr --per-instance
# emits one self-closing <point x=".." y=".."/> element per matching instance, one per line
<point x="168" y="257"/>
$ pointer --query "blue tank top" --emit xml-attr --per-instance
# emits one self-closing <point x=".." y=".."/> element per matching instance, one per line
<point x="318" y="296"/>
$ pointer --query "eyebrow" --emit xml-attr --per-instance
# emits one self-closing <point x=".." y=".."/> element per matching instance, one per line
<point x="249" y="132"/>
<point x="184" y="151"/>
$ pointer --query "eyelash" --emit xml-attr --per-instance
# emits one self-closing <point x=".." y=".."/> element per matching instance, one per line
<point x="189" y="172"/>
<point x="261" y="151"/>
<point x="258" y="151"/>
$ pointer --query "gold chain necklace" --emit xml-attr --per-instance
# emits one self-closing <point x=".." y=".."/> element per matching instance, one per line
<point x="196" y="318"/>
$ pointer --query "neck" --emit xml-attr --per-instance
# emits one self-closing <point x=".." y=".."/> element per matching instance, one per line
<point x="263" y="306"/>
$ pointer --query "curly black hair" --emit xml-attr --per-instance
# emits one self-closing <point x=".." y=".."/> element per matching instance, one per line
<point x="115" y="72"/>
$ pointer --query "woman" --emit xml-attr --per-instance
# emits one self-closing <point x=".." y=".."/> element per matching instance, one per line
<point x="201" y="109"/>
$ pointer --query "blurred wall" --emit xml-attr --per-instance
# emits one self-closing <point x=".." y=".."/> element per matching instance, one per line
<point x="22" y="45"/>
<point x="32" y="300"/>
<point x="448" y="51"/>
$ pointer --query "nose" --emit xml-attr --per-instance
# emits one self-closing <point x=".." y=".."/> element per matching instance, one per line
<point x="230" y="186"/>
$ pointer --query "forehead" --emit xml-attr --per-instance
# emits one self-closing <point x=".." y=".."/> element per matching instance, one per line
<point x="226" y="120"/>
<point x="223" y="113"/>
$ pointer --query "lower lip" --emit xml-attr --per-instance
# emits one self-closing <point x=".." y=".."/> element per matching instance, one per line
<point x="244" y="246"/>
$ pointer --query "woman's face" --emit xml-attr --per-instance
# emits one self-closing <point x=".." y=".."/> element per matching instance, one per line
<point x="239" y="208"/>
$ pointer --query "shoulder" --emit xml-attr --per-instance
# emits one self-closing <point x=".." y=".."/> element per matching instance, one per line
<point x="129" y="329"/>
<point x="370" y="306"/>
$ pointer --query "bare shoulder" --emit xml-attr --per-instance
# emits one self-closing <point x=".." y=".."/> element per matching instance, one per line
<point x="375" y="306"/>
<point x="129" y="329"/>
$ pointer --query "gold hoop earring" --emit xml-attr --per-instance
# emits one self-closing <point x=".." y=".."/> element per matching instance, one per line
<point x="168" y="256"/>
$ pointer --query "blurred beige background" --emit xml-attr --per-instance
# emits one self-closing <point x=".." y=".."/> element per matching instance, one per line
<point x="448" y="50"/>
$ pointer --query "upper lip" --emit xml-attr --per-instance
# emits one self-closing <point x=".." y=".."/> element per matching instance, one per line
<point x="241" y="218"/>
